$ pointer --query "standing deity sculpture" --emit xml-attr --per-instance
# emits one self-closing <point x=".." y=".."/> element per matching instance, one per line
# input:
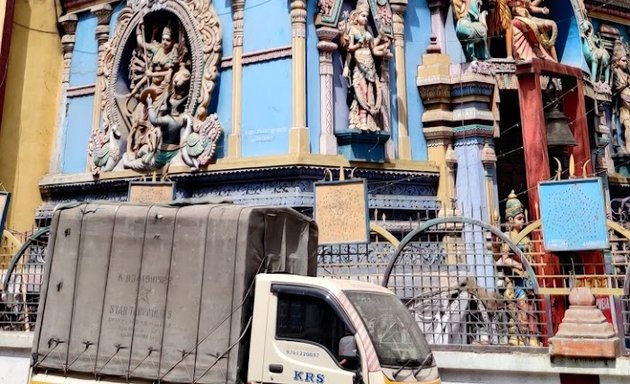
<point x="526" y="36"/>
<point x="517" y="284"/>
<point x="621" y="90"/>
<point x="364" y="78"/>
<point x="472" y="29"/>
<point x="154" y="67"/>
<point x="160" y="69"/>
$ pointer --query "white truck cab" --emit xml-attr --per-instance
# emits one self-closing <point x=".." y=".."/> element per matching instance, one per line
<point x="318" y="331"/>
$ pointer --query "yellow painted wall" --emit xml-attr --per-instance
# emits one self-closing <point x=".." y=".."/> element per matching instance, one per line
<point x="30" y="107"/>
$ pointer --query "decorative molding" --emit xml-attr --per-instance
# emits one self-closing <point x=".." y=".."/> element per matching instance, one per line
<point x="83" y="90"/>
<point x="260" y="56"/>
<point x="238" y="8"/>
<point x="286" y="185"/>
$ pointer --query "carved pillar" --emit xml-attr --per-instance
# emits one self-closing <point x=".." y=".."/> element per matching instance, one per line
<point x="489" y="161"/>
<point x="298" y="136"/>
<point x="327" y="139"/>
<point x="69" y="25"/>
<point x="386" y="109"/>
<point x="103" y="13"/>
<point x="404" y="144"/>
<point x="234" y="140"/>
<point x="438" y="20"/>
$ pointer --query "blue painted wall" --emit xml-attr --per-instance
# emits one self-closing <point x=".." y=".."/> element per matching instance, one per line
<point x="262" y="31"/>
<point x="313" y="117"/>
<point x="417" y="32"/>
<point x="266" y="108"/>
<point x="76" y="134"/>
<point x="84" y="55"/>
<point x="221" y="102"/>
<point x="569" y="43"/>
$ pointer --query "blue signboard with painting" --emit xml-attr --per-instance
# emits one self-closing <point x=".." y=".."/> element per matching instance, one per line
<point x="573" y="215"/>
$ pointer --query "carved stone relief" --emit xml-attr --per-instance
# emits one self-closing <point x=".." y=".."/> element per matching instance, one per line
<point x="160" y="69"/>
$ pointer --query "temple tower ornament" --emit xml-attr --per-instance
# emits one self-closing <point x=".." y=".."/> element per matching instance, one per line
<point x="159" y="69"/>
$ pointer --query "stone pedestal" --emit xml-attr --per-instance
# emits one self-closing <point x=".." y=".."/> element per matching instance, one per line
<point x="584" y="331"/>
<point x="362" y="146"/>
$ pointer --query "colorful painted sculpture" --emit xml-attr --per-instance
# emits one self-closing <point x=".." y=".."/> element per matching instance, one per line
<point x="360" y="69"/>
<point x="500" y="23"/>
<point x="471" y="29"/>
<point x="159" y="69"/>
<point x="533" y="36"/>
<point x="517" y="280"/>
<point x="526" y="36"/>
<point x="595" y="54"/>
<point x="621" y="90"/>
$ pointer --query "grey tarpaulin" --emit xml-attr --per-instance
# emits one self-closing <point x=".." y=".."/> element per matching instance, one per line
<point x="161" y="292"/>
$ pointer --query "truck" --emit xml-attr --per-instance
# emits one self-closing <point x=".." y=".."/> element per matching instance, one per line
<point x="211" y="293"/>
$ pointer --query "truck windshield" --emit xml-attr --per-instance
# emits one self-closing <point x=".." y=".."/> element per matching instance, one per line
<point x="396" y="337"/>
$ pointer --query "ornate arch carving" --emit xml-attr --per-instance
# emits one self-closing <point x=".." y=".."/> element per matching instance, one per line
<point x="151" y="91"/>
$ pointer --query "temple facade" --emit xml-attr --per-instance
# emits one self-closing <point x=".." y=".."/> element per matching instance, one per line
<point x="446" y="108"/>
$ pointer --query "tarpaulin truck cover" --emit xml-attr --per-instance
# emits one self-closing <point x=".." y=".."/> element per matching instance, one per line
<point x="161" y="292"/>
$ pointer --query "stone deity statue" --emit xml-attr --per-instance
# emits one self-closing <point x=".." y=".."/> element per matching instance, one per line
<point x="621" y="90"/>
<point x="365" y="86"/>
<point x="517" y="282"/>
<point x="471" y="29"/>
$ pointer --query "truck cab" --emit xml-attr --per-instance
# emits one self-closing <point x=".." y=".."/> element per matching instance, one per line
<point x="318" y="331"/>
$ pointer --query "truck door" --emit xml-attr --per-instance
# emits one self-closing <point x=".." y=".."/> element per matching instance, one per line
<point x="307" y="324"/>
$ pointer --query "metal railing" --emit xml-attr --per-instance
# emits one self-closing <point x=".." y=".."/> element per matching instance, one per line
<point x="21" y="279"/>
<point x="460" y="281"/>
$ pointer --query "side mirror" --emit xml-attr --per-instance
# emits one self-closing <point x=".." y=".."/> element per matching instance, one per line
<point x="348" y="348"/>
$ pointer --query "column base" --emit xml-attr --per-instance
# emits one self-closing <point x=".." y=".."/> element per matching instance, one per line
<point x="404" y="148"/>
<point x="234" y="147"/>
<point x="299" y="140"/>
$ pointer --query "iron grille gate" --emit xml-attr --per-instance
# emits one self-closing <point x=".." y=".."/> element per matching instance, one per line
<point x="446" y="272"/>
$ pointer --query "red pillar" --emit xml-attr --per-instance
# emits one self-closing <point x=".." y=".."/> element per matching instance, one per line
<point x="534" y="137"/>
<point x="575" y="110"/>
